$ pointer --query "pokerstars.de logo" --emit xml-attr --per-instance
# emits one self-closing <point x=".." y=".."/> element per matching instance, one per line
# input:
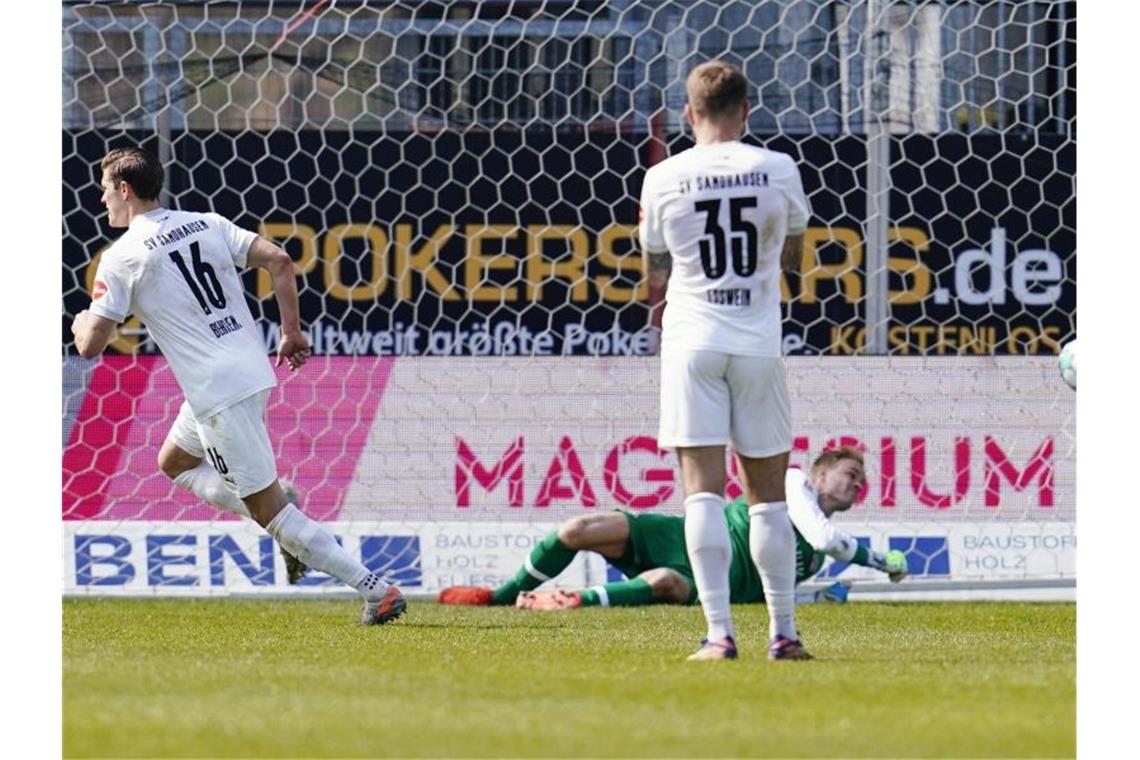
<point x="98" y="290"/>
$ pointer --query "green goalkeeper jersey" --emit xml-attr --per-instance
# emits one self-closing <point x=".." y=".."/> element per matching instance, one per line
<point x="743" y="580"/>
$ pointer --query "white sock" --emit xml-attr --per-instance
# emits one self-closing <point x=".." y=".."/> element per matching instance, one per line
<point x="773" y="547"/>
<point x="710" y="554"/>
<point x="309" y="542"/>
<point x="205" y="482"/>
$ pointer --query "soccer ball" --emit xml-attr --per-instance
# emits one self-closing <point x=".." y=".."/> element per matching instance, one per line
<point x="1067" y="363"/>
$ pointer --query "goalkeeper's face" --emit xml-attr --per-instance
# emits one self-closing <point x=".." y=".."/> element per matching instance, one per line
<point x="839" y="484"/>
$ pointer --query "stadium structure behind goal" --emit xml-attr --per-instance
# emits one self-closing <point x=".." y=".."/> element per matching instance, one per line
<point x="457" y="183"/>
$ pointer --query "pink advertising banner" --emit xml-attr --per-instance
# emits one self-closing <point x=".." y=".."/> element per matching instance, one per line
<point x="493" y="439"/>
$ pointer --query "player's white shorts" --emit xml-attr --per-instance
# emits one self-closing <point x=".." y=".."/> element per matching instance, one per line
<point x="235" y="441"/>
<point x="710" y="398"/>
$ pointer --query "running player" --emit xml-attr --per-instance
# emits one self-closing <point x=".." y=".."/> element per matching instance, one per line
<point x="177" y="271"/>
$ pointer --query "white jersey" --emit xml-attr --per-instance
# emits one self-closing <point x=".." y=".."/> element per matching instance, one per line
<point x="177" y="271"/>
<point x="723" y="210"/>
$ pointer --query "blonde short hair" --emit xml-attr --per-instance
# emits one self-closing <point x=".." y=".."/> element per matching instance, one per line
<point x="832" y="456"/>
<point x="716" y="88"/>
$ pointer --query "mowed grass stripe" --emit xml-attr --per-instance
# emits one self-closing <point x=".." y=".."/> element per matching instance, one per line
<point x="296" y="678"/>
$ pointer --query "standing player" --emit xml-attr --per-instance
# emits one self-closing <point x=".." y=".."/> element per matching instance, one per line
<point x="177" y="271"/>
<point x="722" y="218"/>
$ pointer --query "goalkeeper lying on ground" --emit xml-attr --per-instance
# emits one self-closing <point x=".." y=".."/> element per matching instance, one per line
<point x="650" y="549"/>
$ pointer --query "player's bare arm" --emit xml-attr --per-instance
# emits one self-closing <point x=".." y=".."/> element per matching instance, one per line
<point x="294" y="347"/>
<point x="658" y="267"/>
<point x="605" y="534"/>
<point x="92" y="333"/>
<point x="791" y="258"/>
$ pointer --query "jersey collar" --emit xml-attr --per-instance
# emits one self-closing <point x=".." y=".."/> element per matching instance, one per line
<point x="150" y="216"/>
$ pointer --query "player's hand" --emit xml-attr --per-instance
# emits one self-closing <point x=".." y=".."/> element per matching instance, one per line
<point x="78" y="320"/>
<point x="294" y="349"/>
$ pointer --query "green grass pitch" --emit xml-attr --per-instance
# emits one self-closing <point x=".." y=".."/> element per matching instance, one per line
<point x="287" y="678"/>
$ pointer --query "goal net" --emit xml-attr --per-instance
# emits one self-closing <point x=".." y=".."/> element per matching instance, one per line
<point x="457" y="184"/>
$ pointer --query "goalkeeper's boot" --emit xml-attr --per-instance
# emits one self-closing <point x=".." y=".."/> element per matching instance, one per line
<point x="386" y="608"/>
<point x="295" y="569"/>
<point x="721" y="649"/>
<point x="475" y="596"/>
<point x="836" y="593"/>
<point x="783" y="648"/>
<point x="549" y="600"/>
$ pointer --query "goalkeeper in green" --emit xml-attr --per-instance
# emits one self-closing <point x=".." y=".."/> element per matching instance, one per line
<point x="650" y="548"/>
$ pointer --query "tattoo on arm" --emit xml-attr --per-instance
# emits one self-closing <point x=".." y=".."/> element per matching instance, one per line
<point x="791" y="258"/>
<point x="659" y="268"/>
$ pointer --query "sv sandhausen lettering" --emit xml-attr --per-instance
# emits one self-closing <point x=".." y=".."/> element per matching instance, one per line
<point x="175" y="235"/>
<point x="727" y="181"/>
